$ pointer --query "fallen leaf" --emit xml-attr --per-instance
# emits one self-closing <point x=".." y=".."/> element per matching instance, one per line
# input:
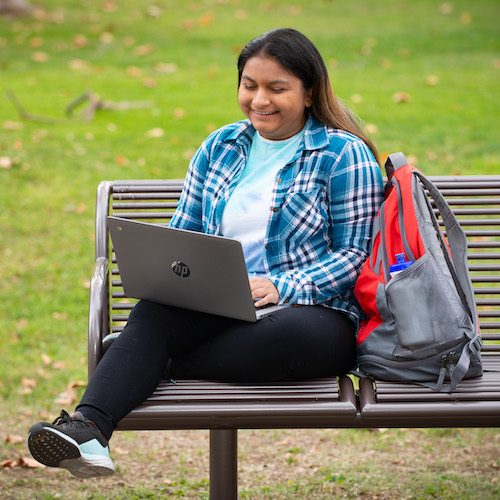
<point x="30" y="463"/>
<point x="432" y="80"/>
<point x="9" y="463"/>
<point x="366" y="50"/>
<point x="81" y="208"/>
<point x="109" y="6"/>
<point x="154" y="11"/>
<point x="143" y="50"/>
<point x="120" y="451"/>
<point x="128" y="41"/>
<point x="40" y="56"/>
<point x="188" y="154"/>
<point x="333" y="63"/>
<point x="412" y="160"/>
<point x="22" y="323"/>
<point x="150" y="82"/>
<point x="446" y="8"/>
<point x="80" y="41"/>
<point x="5" y="162"/>
<point x="386" y="63"/>
<point x="29" y="382"/>
<point x="66" y="399"/>
<point x="77" y="383"/>
<point x="106" y="37"/>
<point x="122" y="160"/>
<point x="401" y="97"/>
<point x="155" y="133"/>
<point x="179" y="113"/>
<point x="466" y="18"/>
<point x="206" y="20"/>
<point x="134" y="71"/>
<point x="36" y="42"/>
<point x="60" y="316"/>
<point x="79" y="65"/>
<point x="9" y="125"/>
<point x="59" y="365"/>
<point x="241" y="14"/>
<point x="12" y="439"/>
<point x="187" y="24"/>
<point x="46" y="360"/>
<point x="167" y="68"/>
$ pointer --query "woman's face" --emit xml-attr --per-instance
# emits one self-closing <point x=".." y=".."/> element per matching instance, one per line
<point x="272" y="98"/>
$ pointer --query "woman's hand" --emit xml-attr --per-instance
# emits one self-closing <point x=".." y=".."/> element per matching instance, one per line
<point x="264" y="290"/>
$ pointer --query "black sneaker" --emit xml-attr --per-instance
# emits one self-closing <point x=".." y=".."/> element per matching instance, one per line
<point x="72" y="443"/>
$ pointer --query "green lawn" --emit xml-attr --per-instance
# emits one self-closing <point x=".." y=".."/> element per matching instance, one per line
<point x="423" y="75"/>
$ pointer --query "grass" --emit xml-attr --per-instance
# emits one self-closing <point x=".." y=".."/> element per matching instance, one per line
<point x="424" y="77"/>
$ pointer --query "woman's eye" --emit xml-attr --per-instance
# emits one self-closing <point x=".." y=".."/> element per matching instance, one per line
<point x="249" y="87"/>
<point x="277" y="90"/>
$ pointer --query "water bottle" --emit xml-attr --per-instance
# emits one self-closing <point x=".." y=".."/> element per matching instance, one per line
<point x="400" y="265"/>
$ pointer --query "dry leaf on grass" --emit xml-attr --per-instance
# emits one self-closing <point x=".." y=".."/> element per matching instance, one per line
<point x="69" y="396"/>
<point x="13" y="439"/>
<point x="5" y="162"/>
<point x="27" y="462"/>
<point x="31" y="463"/>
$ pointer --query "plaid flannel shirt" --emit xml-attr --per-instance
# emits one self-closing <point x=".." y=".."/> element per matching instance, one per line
<point x="320" y="220"/>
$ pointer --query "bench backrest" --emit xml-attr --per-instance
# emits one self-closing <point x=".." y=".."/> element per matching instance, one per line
<point x="475" y="200"/>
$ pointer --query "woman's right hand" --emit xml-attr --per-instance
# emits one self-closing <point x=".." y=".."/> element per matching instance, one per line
<point x="264" y="290"/>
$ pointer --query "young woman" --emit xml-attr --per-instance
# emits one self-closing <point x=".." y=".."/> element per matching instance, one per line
<point x="298" y="184"/>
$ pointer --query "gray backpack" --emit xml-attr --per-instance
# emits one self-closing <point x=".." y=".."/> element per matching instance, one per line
<point x="421" y="321"/>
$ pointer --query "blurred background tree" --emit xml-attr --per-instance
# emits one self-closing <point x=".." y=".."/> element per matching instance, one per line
<point x="14" y="8"/>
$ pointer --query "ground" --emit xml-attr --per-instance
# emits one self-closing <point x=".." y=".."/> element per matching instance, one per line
<point x="317" y="464"/>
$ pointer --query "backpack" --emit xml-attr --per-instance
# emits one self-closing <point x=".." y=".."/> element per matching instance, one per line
<point x="421" y="323"/>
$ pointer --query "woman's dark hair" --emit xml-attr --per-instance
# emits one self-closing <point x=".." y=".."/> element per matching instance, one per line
<point x="297" y="54"/>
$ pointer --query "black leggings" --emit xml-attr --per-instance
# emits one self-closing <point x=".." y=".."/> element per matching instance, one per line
<point x="160" y="341"/>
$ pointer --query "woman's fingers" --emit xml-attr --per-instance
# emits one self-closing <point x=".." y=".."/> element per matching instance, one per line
<point x="264" y="290"/>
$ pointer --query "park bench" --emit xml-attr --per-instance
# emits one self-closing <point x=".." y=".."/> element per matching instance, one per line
<point x="343" y="402"/>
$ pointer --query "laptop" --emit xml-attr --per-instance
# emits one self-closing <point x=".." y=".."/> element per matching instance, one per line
<point x="185" y="269"/>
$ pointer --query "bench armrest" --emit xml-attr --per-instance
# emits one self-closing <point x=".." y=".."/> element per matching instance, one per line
<point x="98" y="312"/>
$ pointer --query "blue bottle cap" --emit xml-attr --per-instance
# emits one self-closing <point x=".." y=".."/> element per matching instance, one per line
<point x="401" y="263"/>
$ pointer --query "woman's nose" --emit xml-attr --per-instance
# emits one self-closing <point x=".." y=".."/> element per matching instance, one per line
<point x="261" y="98"/>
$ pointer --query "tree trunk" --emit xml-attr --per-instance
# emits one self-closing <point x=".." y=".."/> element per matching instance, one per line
<point x="15" y="8"/>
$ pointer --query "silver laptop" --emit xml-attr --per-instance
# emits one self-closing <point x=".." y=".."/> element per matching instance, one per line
<point x="185" y="269"/>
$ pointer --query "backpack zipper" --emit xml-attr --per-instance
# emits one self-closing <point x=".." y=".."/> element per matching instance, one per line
<point x="446" y="358"/>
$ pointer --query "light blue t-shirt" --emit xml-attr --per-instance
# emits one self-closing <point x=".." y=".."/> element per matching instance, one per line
<point x="247" y="211"/>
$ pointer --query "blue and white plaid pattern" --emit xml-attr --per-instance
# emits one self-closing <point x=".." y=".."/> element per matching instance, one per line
<point x="324" y="203"/>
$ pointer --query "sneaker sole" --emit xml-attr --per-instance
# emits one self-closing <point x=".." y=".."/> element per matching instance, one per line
<point x="55" y="449"/>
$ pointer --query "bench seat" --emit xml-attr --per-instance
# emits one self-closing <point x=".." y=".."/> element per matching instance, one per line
<point x="197" y="404"/>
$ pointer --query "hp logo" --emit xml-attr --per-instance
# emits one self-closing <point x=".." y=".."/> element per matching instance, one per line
<point x="180" y="269"/>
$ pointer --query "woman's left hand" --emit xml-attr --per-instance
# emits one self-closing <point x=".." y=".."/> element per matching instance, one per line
<point x="264" y="290"/>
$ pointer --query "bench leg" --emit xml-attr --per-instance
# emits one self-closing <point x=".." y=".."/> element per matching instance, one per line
<point x="223" y="464"/>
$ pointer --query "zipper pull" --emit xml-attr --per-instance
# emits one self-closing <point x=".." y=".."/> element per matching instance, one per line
<point x="444" y="361"/>
<point x="452" y="353"/>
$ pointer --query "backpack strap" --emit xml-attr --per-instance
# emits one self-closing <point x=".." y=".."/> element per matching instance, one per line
<point x="393" y="162"/>
<point x="457" y="264"/>
<point x="382" y="254"/>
